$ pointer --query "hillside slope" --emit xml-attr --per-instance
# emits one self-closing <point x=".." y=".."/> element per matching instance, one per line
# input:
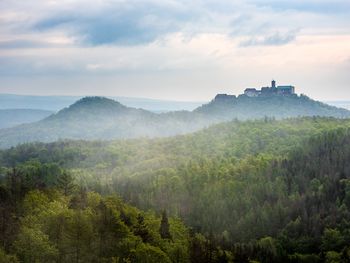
<point x="102" y="118"/>
<point x="244" y="108"/>
<point x="283" y="185"/>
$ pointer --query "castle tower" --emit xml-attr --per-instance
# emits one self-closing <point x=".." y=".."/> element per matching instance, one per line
<point x="273" y="84"/>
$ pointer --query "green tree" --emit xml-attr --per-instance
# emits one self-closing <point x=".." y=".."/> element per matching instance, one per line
<point x="142" y="230"/>
<point x="333" y="257"/>
<point x="332" y="240"/>
<point x="32" y="245"/>
<point x="65" y="182"/>
<point x="80" y="236"/>
<point x="146" y="253"/>
<point x="5" y="258"/>
<point x="164" y="229"/>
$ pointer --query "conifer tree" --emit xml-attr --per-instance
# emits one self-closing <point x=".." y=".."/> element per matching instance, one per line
<point x="65" y="182"/>
<point x="164" y="227"/>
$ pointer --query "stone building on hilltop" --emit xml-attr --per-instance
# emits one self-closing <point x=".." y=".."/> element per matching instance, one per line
<point x="270" y="91"/>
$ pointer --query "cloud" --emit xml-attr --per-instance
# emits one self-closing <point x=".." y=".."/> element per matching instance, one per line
<point x="37" y="44"/>
<point x="140" y="22"/>
<point x="311" y="6"/>
<point x="31" y="65"/>
<point x="21" y="43"/>
<point x="276" y="39"/>
<point x="121" y="23"/>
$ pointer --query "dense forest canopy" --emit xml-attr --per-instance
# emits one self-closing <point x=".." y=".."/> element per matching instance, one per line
<point x="265" y="190"/>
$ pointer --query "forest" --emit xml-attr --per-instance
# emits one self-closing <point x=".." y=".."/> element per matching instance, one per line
<point x="241" y="191"/>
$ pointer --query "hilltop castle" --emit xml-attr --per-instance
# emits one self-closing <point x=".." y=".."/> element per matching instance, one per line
<point x="268" y="91"/>
<point x="263" y="92"/>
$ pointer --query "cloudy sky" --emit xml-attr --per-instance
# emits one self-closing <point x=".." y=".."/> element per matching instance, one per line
<point x="174" y="49"/>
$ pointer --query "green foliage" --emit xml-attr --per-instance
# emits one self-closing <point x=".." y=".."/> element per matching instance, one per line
<point x="332" y="240"/>
<point x="65" y="183"/>
<point x="164" y="227"/>
<point x="266" y="191"/>
<point x="267" y="249"/>
<point x="5" y="258"/>
<point x="300" y="258"/>
<point x="141" y="230"/>
<point x="333" y="257"/>
<point x="148" y="254"/>
<point x="52" y="230"/>
<point x="32" y="245"/>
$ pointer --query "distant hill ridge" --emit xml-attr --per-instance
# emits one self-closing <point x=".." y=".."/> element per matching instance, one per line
<point x="244" y="107"/>
<point x="56" y="103"/>
<point x="93" y="118"/>
<point x="14" y="117"/>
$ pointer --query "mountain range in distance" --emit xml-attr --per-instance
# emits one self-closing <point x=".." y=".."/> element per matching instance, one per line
<point x="94" y="118"/>
<point x="21" y="109"/>
<point x="339" y="104"/>
<point x="56" y="103"/>
<point x="14" y="117"/>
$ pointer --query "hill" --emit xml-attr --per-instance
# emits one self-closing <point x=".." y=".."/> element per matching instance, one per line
<point x="14" y="117"/>
<point x="101" y="118"/>
<point x="243" y="107"/>
<point x="266" y="190"/>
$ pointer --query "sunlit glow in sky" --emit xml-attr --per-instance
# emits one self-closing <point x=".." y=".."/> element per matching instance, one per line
<point x="174" y="49"/>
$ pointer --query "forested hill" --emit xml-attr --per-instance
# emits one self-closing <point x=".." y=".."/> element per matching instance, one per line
<point x="101" y="118"/>
<point x="244" y="107"/>
<point x="265" y="190"/>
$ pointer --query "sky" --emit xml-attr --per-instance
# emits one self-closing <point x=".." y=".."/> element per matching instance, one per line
<point x="187" y="50"/>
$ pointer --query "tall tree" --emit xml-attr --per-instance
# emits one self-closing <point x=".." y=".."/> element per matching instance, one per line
<point x="164" y="226"/>
<point x="141" y="229"/>
<point x="65" y="182"/>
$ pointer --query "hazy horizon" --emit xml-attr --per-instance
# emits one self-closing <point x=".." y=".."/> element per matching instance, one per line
<point x="144" y="97"/>
<point x="58" y="102"/>
<point x="102" y="95"/>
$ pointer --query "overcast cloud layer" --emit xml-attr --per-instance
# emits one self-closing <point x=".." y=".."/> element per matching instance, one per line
<point x="174" y="49"/>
